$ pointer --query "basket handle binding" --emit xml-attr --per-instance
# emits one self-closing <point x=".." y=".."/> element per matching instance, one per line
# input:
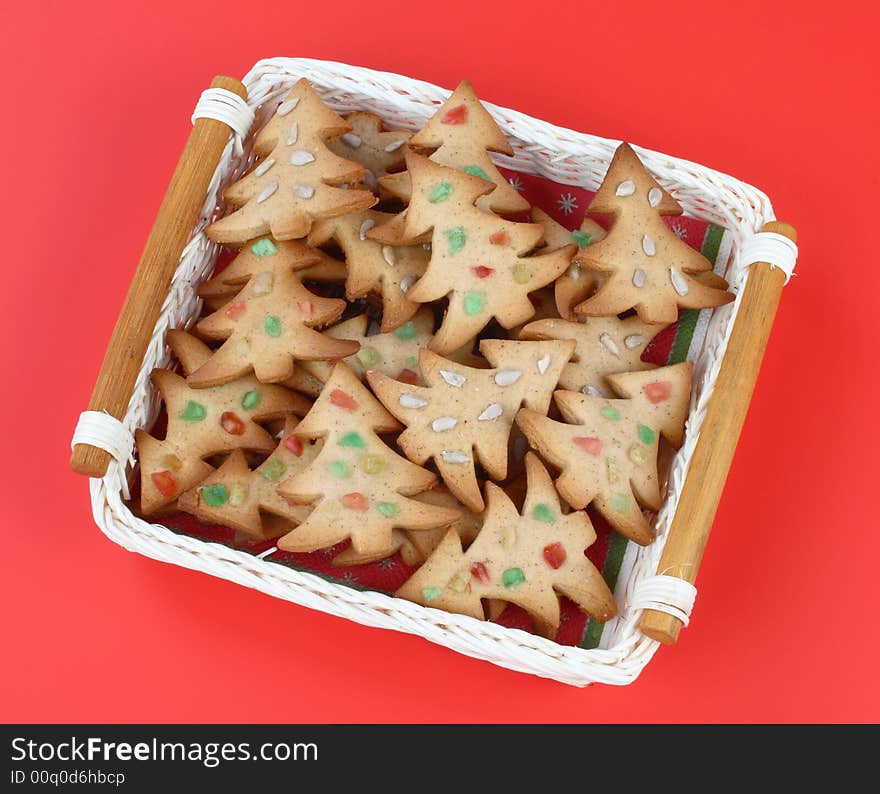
<point x="720" y="432"/>
<point x="171" y="230"/>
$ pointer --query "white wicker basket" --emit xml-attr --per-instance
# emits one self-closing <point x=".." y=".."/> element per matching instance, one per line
<point x="559" y="154"/>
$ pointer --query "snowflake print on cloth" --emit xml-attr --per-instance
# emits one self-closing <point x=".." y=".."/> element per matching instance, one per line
<point x="679" y="231"/>
<point x="567" y="203"/>
<point x="516" y="183"/>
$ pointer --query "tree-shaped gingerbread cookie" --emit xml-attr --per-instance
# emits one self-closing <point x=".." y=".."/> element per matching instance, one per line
<point x="204" y="422"/>
<point x="478" y="260"/>
<point x="236" y="496"/>
<point x="645" y="265"/>
<point x="359" y="486"/>
<point x="460" y="135"/>
<point x="267" y="255"/>
<point x="267" y="327"/>
<point x="464" y="415"/>
<point x="603" y="346"/>
<point x="388" y="270"/>
<point x="607" y="451"/>
<point x="528" y="558"/>
<point x="298" y="180"/>
<point x="379" y="151"/>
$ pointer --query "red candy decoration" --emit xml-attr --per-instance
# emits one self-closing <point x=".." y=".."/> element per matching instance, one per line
<point x="555" y="555"/>
<point x="592" y="446"/>
<point x="294" y="445"/>
<point x="342" y="400"/>
<point x="480" y="572"/>
<point x="165" y="482"/>
<point x="408" y="376"/>
<point x="458" y="115"/>
<point x="481" y="271"/>
<point x="305" y="308"/>
<point x="355" y="501"/>
<point x="500" y="237"/>
<point x="232" y="424"/>
<point x="658" y="391"/>
<point x="235" y="309"/>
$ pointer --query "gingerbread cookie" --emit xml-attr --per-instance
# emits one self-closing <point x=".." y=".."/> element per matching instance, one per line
<point x="202" y="423"/>
<point x="359" y="487"/>
<point x="267" y="255"/>
<point x="298" y="180"/>
<point x="575" y="284"/>
<point x="478" y="260"/>
<point x="528" y="558"/>
<point x="267" y="326"/>
<point x="603" y="346"/>
<point x="234" y="496"/>
<point x="460" y="135"/>
<point x="395" y="353"/>
<point x="608" y="450"/>
<point x="380" y="152"/>
<point x="373" y="266"/>
<point x="645" y="265"/>
<point x="464" y="415"/>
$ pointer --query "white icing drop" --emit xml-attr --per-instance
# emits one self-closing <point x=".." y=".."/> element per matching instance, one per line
<point x="262" y="283"/>
<point x="368" y="224"/>
<point x="492" y="411"/>
<point x="442" y="423"/>
<point x="543" y="363"/>
<point x="395" y="145"/>
<point x="454" y="456"/>
<point x="267" y="191"/>
<point x="574" y="272"/>
<point x="409" y="400"/>
<point x="264" y="166"/>
<point x="633" y="341"/>
<point x="678" y="281"/>
<point x="591" y="390"/>
<point x="407" y="281"/>
<point x="626" y="188"/>
<point x="453" y="378"/>
<point x="303" y="191"/>
<point x="507" y="377"/>
<point x="370" y="179"/>
<point x="610" y="345"/>
<point x="654" y="196"/>
<point x="388" y="254"/>
<point x="285" y="107"/>
<point x="648" y="245"/>
<point x="639" y="277"/>
<point x="293" y="134"/>
<point x="301" y="157"/>
<point x="352" y="139"/>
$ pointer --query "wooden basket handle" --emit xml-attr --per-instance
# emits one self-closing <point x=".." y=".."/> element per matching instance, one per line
<point x="719" y="434"/>
<point x="171" y="230"/>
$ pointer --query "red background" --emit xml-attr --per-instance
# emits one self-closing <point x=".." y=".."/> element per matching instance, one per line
<point x="98" y="99"/>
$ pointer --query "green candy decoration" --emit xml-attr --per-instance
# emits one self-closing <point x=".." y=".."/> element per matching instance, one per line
<point x="543" y="512"/>
<point x="456" y="237"/>
<point x="475" y="170"/>
<point x="610" y="412"/>
<point x="353" y="440"/>
<point x="215" y="495"/>
<point x="474" y="302"/>
<point x="513" y="577"/>
<point x="431" y="593"/>
<point x="339" y="468"/>
<point x="406" y="331"/>
<point x="369" y="356"/>
<point x="620" y="502"/>
<point x="251" y="399"/>
<point x="646" y="435"/>
<point x="272" y="325"/>
<point x="272" y="470"/>
<point x="581" y="239"/>
<point x="264" y="247"/>
<point x="440" y="193"/>
<point x="193" y="411"/>
<point x="387" y="509"/>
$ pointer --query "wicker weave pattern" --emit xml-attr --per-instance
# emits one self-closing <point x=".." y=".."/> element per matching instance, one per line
<point x="540" y="148"/>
